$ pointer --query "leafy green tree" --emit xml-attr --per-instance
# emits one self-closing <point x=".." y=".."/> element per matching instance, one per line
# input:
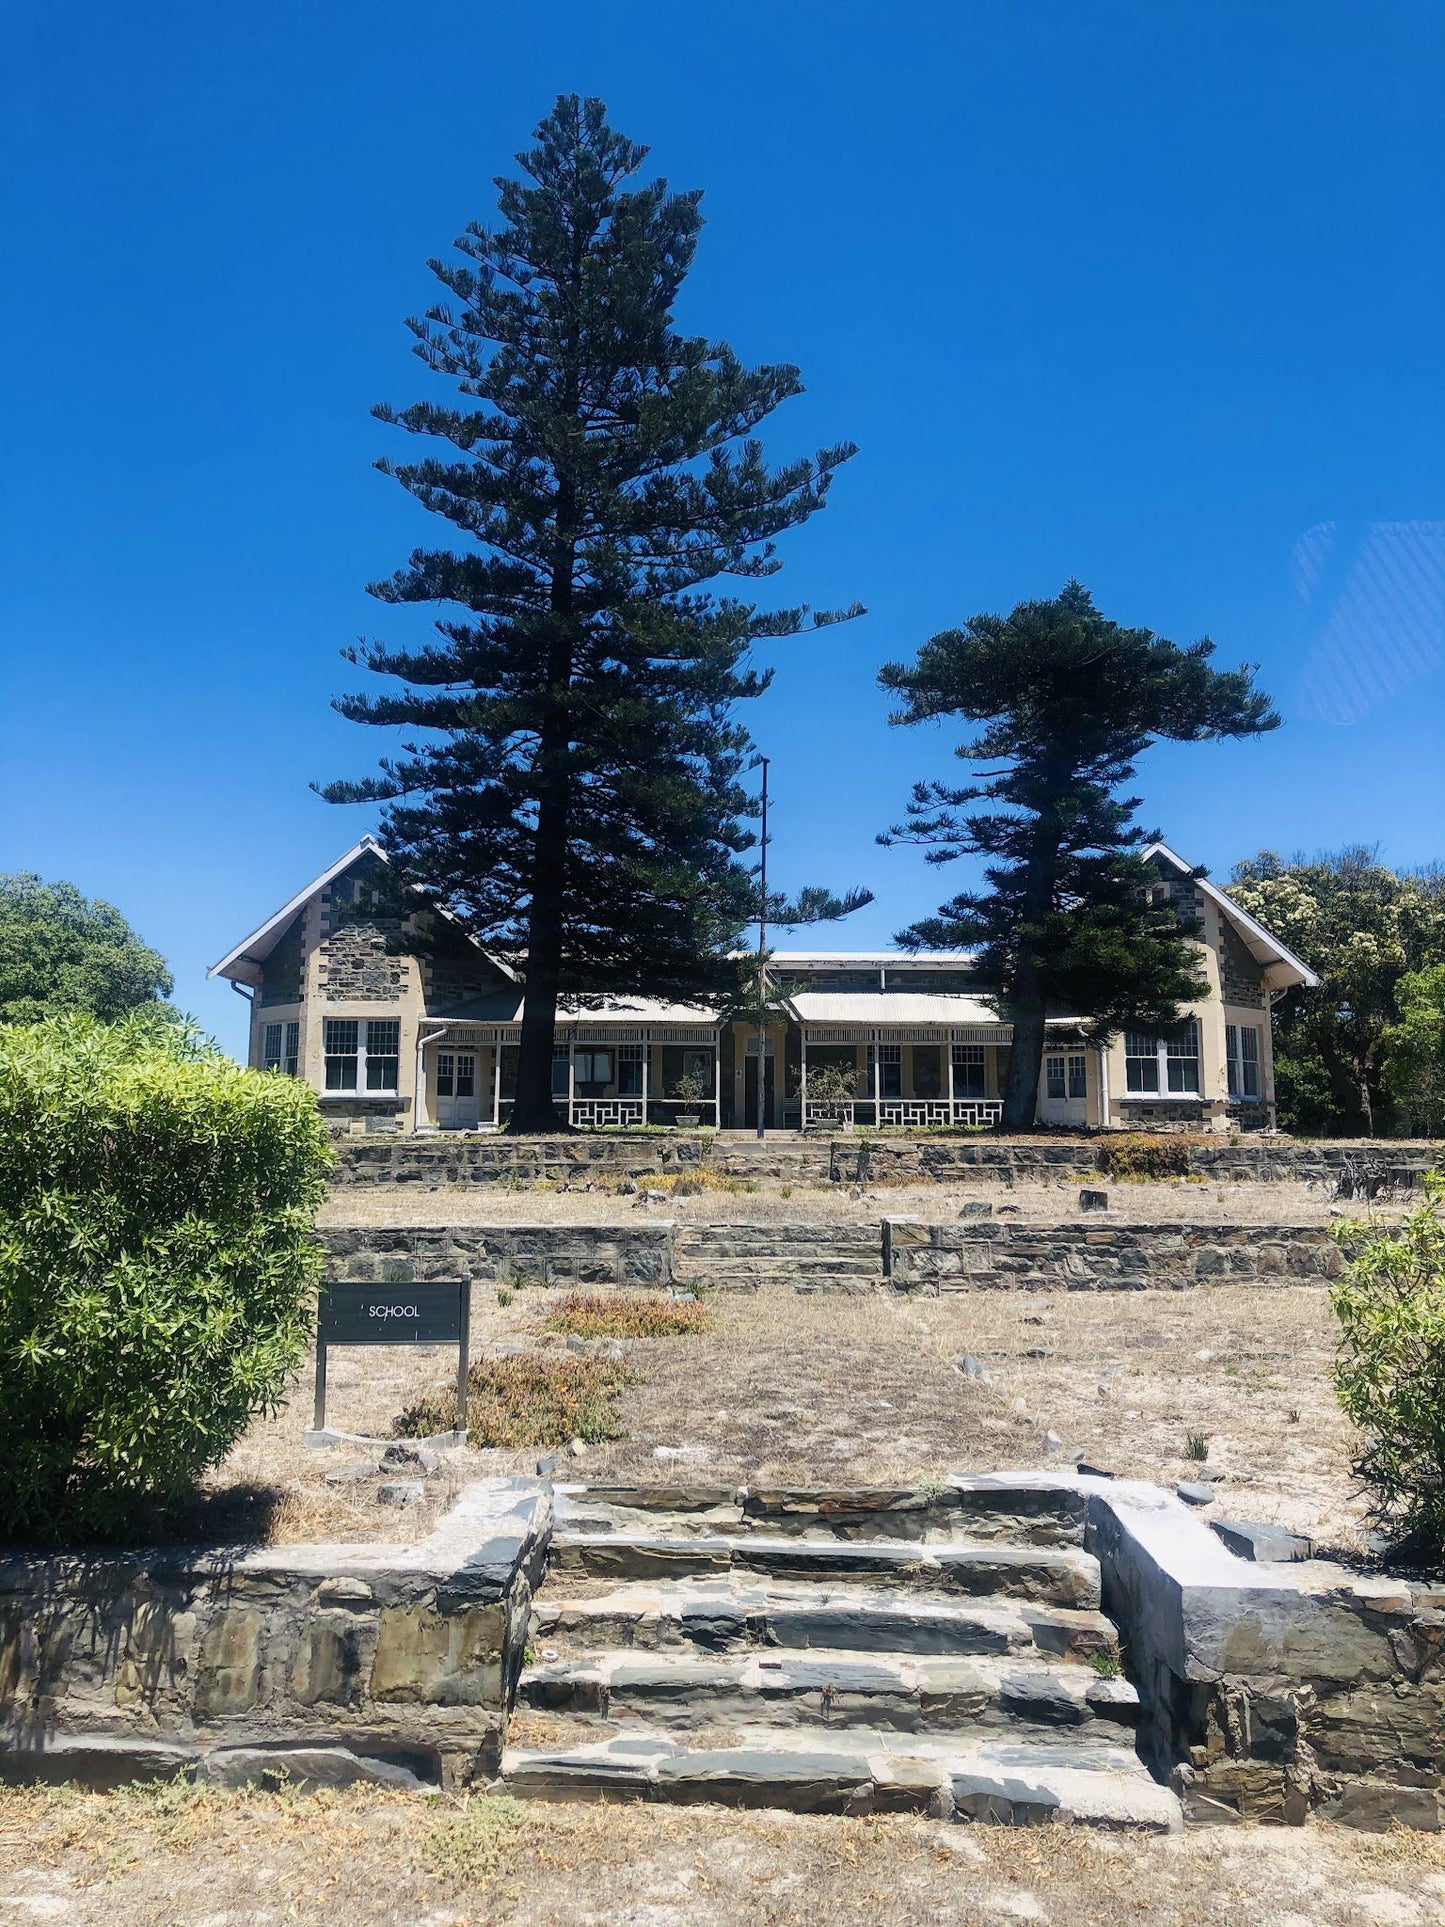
<point x="1390" y="1370"/>
<point x="575" y="797"/>
<point x="61" y="951"/>
<point x="1414" y="1068"/>
<point x="1068" y="701"/>
<point x="157" y="1264"/>
<point x="1364" y="927"/>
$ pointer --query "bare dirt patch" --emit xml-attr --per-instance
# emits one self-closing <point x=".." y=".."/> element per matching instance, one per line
<point x="174" y="1857"/>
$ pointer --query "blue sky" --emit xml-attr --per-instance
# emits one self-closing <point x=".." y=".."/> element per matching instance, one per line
<point x="1147" y="295"/>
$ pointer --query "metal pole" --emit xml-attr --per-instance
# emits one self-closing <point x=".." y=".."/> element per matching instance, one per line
<point x="762" y="952"/>
<point x="464" y="1353"/>
<point x="318" y="1419"/>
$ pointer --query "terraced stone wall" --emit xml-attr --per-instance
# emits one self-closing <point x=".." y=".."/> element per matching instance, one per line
<point x="334" y="1663"/>
<point x="549" y="1254"/>
<point x="930" y="1258"/>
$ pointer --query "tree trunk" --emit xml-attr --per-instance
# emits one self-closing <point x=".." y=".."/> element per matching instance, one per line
<point x="1021" y="1089"/>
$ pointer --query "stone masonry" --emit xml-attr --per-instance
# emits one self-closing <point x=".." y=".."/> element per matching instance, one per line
<point x="548" y="1254"/>
<point x="334" y="1663"/>
<point x="929" y="1258"/>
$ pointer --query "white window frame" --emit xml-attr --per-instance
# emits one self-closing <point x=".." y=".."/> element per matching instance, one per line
<point x="352" y="1066"/>
<point x="889" y="1063"/>
<point x="1077" y="1075"/>
<point x="1244" y="1059"/>
<point x="969" y="1059"/>
<point x="1055" y="1082"/>
<point x="1165" y="1060"/>
<point x="281" y="1047"/>
<point x="450" y="1075"/>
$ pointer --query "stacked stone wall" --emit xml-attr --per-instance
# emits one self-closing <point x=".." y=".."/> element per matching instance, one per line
<point x="332" y="1663"/>
<point x="552" y="1254"/>
<point x="932" y="1258"/>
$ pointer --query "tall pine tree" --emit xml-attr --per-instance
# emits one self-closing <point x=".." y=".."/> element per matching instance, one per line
<point x="1068" y="702"/>
<point x="574" y="797"/>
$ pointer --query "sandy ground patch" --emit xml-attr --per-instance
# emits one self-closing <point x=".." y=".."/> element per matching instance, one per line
<point x="825" y="1388"/>
<point x="173" y="1858"/>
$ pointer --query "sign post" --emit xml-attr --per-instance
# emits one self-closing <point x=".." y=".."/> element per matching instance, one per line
<point x="438" y="1312"/>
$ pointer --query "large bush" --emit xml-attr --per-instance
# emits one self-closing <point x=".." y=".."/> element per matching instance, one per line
<point x="157" y="1266"/>
<point x="1390" y="1371"/>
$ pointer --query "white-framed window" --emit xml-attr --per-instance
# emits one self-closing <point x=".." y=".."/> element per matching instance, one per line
<point x="968" y="1072"/>
<point x="1054" y="1085"/>
<point x="1078" y="1074"/>
<point x="1241" y="1047"/>
<point x="561" y="1059"/>
<point x="1066" y="1075"/>
<point x="456" y="1074"/>
<point x="1157" y="1064"/>
<point x="629" y="1069"/>
<point x="281" y="1049"/>
<point x="890" y="1068"/>
<point x="363" y="1054"/>
<point x="592" y="1064"/>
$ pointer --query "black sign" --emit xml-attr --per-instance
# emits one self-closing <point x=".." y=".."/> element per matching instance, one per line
<point x="438" y="1312"/>
<point x="429" y="1314"/>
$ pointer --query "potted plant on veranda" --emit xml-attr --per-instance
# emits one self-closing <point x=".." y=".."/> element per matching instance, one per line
<point x="692" y="1090"/>
<point x="830" y="1087"/>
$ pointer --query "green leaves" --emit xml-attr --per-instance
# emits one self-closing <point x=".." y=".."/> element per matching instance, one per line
<point x="1390" y="1369"/>
<point x="156" y="1264"/>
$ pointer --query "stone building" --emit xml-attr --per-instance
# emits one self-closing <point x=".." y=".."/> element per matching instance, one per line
<point x="400" y="1020"/>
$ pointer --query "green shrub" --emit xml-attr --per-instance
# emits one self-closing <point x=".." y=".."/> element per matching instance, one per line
<point x="1146" y="1155"/>
<point x="157" y="1265"/>
<point x="1390" y="1369"/>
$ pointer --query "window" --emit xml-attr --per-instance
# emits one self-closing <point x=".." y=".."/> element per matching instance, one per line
<point x="342" y="1039"/>
<point x="889" y="1059"/>
<point x="968" y="1072"/>
<point x="1177" y="1054"/>
<point x="629" y="1069"/>
<point x="383" y="1053"/>
<point x="592" y="1065"/>
<point x="1053" y="1077"/>
<point x="1242" y="1052"/>
<point x="282" y="1049"/>
<point x="345" y="1055"/>
<point x="561" y="1059"/>
<point x="456" y="1074"/>
<point x="1078" y="1076"/>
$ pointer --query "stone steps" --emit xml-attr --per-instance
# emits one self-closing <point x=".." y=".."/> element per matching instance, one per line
<point x="1056" y="1576"/>
<point x="735" y="1615"/>
<point x="831" y="1651"/>
<point x="781" y="1686"/>
<point x="857" y="1770"/>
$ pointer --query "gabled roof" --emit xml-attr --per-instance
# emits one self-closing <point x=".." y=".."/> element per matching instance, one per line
<point x="1283" y="966"/>
<point x="243" y="964"/>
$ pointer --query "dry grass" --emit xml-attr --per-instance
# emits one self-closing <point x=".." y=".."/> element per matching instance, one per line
<point x="527" y="1399"/>
<point x="728" y="1201"/>
<point x="839" y="1389"/>
<point x="625" y="1314"/>
<point x="187" y="1858"/>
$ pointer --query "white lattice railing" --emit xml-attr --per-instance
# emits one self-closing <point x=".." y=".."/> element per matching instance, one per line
<point x="908" y="1113"/>
<point x="837" y="1117"/>
<point x="599" y="1112"/>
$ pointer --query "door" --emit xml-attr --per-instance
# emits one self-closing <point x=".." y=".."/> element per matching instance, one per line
<point x="457" y="1107"/>
<point x="750" y="1092"/>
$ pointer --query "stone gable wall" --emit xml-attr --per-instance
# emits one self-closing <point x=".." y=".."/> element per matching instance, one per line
<point x="283" y="975"/>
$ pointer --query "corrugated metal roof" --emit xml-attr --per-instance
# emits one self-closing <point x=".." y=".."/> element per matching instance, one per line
<point x="505" y="1007"/>
<point x="888" y="1007"/>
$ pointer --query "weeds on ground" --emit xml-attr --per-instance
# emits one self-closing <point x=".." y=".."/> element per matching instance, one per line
<point x="471" y="1844"/>
<point x="1147" y="1155"/>
<point x="1196" y="1447"/>
<point x="530" y="1398"/>
<point x="625" y="1315"/>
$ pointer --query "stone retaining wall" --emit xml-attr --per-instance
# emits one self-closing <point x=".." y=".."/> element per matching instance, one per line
<point x="548" y="1254"/>
<point x="334" y="1663"/>
<point x="930" y="1258"/>
<point x="435" y="1162"/>
<point x="1274" y="1692"/>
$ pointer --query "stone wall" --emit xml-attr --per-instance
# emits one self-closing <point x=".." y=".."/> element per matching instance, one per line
<point x="857" y="1158"/>
<point x="1273" y="1692"/>
<point x="966" y="1256"/>
<point x="360" y="965"/>
<point x="553" y="1254"/>
<point x="283" y="975"/>
<point x="335" y="1663"/>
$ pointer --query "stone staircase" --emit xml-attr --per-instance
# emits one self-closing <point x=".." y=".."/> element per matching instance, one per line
<point x="809" y="1257"/>
<point x="933" y="1650"/>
